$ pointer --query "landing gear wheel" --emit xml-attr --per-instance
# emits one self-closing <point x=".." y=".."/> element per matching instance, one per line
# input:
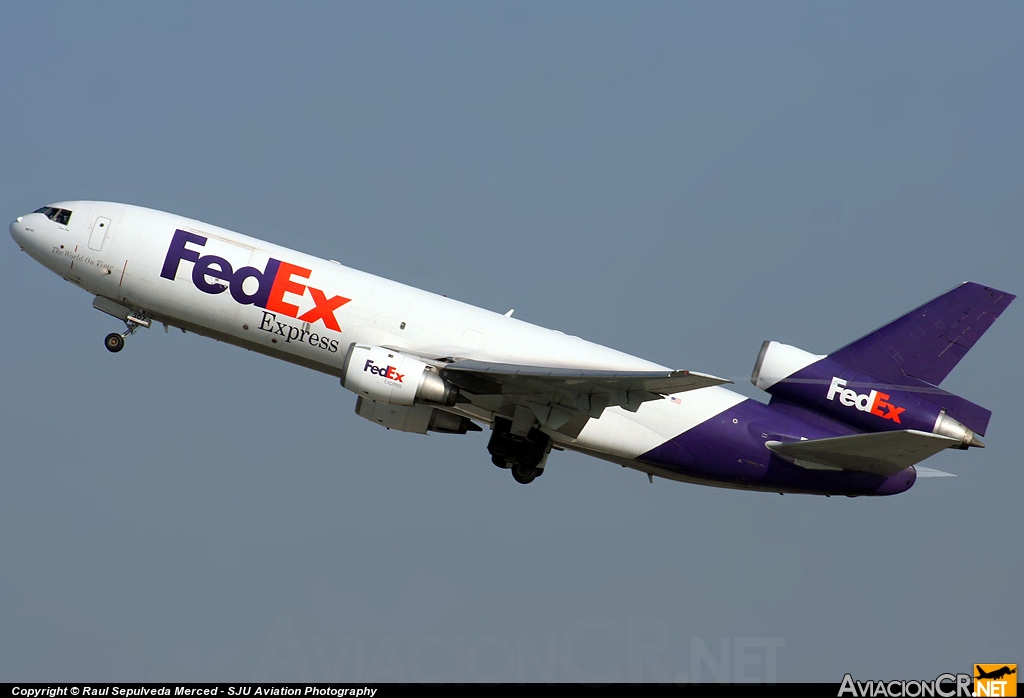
<point x="114" y="342"/>
<point x="500" y="462"/>
<point x="524" y="474"/>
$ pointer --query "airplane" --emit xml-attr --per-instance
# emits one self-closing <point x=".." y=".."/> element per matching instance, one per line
<point x="996" y="673"/>
<point x="853" y="422"/>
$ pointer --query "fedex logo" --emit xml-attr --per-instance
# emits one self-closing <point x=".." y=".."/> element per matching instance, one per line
<point x="389" y="372"/>
<point x="273" y="283"/>
<point x="873" y="402"/>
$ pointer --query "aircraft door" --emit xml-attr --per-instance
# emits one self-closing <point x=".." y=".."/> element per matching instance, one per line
<point x="99" y="233"/>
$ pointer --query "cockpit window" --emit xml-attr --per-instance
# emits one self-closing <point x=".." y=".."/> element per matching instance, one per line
<point x="60" y="216"/>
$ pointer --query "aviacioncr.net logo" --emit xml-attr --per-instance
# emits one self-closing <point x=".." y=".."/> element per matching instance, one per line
<point x="995" y="680"/>
<point x="944" y="686"/>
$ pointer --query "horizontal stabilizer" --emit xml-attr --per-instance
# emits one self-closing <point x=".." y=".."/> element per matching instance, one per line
<point x="882" y="453"/>
<point x="931" y="472"/>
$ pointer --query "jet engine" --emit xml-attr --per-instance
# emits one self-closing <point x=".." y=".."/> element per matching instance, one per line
<point x="394" y="378"/>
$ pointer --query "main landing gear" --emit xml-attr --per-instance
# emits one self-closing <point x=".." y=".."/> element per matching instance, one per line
<point x="114" y="342"/>
<point x="523" y="455"/>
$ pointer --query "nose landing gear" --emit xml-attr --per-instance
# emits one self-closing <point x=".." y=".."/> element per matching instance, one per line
<point x="114" y="342"/>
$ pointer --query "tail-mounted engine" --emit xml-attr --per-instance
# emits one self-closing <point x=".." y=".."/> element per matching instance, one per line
<point x="394" y="378"/>
<point x="825" y="386"/>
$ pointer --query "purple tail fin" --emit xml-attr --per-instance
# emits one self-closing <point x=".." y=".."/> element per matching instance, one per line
<point x="900" y="364"/>
<point x="925" y="344"/>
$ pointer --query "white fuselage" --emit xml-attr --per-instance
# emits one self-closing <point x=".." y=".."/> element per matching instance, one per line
<point x="119" y="252"/>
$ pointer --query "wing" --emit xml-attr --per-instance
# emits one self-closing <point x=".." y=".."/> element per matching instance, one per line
<point x="564" y="398"/>
<point x="883" y="453"/>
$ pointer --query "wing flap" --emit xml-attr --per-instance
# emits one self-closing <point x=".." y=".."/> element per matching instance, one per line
<point x="883" y="453"/>
<point x="564" y="399"/>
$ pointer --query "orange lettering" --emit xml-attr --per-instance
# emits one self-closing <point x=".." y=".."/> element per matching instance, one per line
<point x="283" y="284"/>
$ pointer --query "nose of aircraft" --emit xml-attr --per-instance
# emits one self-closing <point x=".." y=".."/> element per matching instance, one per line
<point x="18" y="231"/>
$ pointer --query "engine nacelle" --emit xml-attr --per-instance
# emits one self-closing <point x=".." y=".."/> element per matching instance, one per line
<point x="417" y="419"/>
<point x="826" y="386"/>
<point x="391" y="377"/>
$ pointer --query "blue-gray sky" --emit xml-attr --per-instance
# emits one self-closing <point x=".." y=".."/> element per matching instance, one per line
<point x="678" y="180"/>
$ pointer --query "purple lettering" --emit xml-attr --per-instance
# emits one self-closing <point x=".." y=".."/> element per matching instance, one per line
<point x="211" y="265"/>
<point x="265" y="281"/>
<point x="177" y="252"/>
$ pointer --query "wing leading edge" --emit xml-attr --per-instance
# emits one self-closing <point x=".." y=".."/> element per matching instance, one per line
<point x="658" y="383"/>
